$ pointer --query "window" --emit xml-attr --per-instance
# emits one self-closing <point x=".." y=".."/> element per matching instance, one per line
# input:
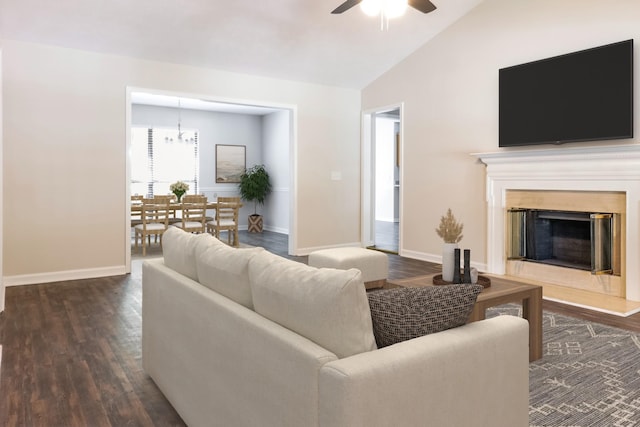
<point x="159" y="158"/>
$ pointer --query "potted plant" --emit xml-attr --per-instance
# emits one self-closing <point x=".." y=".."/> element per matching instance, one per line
<point x="450" y="231"/>
<point x="255" y="187"/>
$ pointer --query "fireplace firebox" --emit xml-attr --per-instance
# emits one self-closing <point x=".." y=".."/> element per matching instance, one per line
<point x="578" y="240"/>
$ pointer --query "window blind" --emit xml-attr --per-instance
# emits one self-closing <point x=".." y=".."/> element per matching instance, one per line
<point x="160" y="157"/>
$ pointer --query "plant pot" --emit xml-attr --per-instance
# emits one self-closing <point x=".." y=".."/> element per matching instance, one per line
<point x="255" y="224"/>
<point x="448" y="261"/>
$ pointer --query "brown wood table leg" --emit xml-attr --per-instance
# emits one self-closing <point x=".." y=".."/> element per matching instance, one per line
<point x="478" y="312"/>
<point x="531" y="300"/>
<point x="532" y="311"/>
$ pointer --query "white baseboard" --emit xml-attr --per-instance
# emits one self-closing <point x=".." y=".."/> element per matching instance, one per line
<point x="437" y="259"/>
<point x="59" y="276"/>
<point x="267" y="228"/>
<point x="277" y="229"/>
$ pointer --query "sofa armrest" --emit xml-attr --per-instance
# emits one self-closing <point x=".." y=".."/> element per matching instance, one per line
<point x="474" y="375"/>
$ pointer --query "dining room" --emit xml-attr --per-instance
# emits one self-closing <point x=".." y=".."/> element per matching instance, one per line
<point x="182" y="138"/>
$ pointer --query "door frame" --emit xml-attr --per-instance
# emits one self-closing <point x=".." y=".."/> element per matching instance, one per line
<point x="368" y="190"/>
<point x="292" y="152"/>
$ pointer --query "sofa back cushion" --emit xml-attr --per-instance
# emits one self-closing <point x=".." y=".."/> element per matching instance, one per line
<point x="325" y="305"/>
<point x="180" y="250"/>
<point x="225" y="270"/>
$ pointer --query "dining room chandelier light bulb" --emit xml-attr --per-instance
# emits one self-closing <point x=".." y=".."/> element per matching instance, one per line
<point x="386" y="9"/>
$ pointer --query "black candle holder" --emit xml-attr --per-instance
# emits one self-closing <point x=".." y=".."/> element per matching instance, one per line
<point x="467" y="266"/>
<point x="456" y="266"/>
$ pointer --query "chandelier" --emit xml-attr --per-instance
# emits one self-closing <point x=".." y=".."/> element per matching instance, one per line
<point x="181" y="133"/>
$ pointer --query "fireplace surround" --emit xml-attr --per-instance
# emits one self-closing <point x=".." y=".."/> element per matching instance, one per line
<point x="609" y="177"/>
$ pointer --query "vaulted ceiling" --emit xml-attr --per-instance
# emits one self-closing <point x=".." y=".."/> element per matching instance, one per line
<point x="290" y="39"/>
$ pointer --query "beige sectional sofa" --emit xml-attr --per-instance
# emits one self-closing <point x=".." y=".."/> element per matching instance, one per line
<point x="242" y="337"/>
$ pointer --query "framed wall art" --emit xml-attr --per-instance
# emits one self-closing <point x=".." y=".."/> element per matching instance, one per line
<point x="230" y="162"/>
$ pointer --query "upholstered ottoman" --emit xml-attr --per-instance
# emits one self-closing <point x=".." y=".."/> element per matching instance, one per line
<point x="374" y="265"/>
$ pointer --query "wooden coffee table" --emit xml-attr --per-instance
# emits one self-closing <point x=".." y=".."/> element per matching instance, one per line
<point x="501" y="291"/>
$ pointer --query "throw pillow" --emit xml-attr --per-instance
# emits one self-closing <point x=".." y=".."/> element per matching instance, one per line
<point x="401" y="314"/>
<point x="325" y="305"/>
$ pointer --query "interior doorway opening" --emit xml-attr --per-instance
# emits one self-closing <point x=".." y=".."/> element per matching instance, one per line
<point x="275" y="148"/>
<point x="382" y="147"/>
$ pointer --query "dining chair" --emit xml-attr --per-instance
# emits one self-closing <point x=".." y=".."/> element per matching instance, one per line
<point x="173" y="218"/>
<point x="155" y="221"/>
<point x="194" y="213"/>
<point x="136" y="216"/>
<point x="226" y="219"/>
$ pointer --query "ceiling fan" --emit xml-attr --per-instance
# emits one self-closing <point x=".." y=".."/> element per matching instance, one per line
<point x="424" y="6"/>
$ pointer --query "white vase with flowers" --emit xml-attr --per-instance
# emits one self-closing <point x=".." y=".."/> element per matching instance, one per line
<point x="179" y="188"/>
<point x="450" y="231"/>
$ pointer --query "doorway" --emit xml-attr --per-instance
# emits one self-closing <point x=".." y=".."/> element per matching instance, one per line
<point x="273" y="143"/>
<point x="382" y="148"/>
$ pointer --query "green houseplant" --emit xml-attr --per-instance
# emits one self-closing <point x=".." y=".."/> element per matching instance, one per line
<point x="255" y="187"/>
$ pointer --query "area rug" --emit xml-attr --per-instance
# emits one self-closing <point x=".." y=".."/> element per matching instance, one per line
<point x="589" y="374"/>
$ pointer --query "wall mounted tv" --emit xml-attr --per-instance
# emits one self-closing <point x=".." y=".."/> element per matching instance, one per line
<point x="580" y="96"/>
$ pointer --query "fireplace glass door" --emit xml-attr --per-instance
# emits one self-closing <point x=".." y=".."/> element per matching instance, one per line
<point x="580" y="240"/>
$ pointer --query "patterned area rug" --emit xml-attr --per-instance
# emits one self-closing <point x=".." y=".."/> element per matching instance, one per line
<point x="589" y="374"/>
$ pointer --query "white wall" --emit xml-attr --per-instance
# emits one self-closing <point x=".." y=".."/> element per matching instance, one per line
<point x="2" y="289"/>
<point x="450" y="92"/>
<point x="276" y="137"/>
<point x="385" y="142"/>
<point x="65" y="126"/>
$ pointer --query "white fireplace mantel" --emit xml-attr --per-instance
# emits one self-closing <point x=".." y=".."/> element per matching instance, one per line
<point x="602" y="168"/>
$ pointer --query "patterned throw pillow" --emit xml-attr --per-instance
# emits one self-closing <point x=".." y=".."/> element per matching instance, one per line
<point x="401" y="314"/>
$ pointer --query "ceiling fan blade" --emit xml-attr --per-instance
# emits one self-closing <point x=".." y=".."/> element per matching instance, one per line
<point x="424" y="6"/>
<point x="346" y="6"/>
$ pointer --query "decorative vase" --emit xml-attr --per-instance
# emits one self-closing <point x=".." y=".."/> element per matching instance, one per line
<point x="448" y="261"/>
<point x="178" y="195"/>
<point x="255" y="223"/>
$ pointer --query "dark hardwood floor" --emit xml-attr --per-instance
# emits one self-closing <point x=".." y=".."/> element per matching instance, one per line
<point x="71" y="351"/>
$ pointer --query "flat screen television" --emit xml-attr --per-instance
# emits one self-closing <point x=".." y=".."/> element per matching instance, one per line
<point x="580" y="96"/>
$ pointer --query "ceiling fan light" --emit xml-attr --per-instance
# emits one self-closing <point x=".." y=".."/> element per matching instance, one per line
<point x="371" y="7"/>
<point x="395" y="8"/>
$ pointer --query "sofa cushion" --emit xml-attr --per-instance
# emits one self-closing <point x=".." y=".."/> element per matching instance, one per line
<point x="325" y="305"/>
<point x="225" y="270"/>
<point x="404" y="313"/>
<point x="180" y="248"/>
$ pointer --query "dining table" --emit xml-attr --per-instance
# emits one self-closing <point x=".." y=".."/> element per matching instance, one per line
<point x="136" y="206"/>
<point x="175" y="210"/>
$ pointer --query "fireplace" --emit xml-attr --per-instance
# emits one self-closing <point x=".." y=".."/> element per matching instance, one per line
<point x="569" y="239"/>
<point x="572" y="239"/>
<point x="561" y="185"/>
